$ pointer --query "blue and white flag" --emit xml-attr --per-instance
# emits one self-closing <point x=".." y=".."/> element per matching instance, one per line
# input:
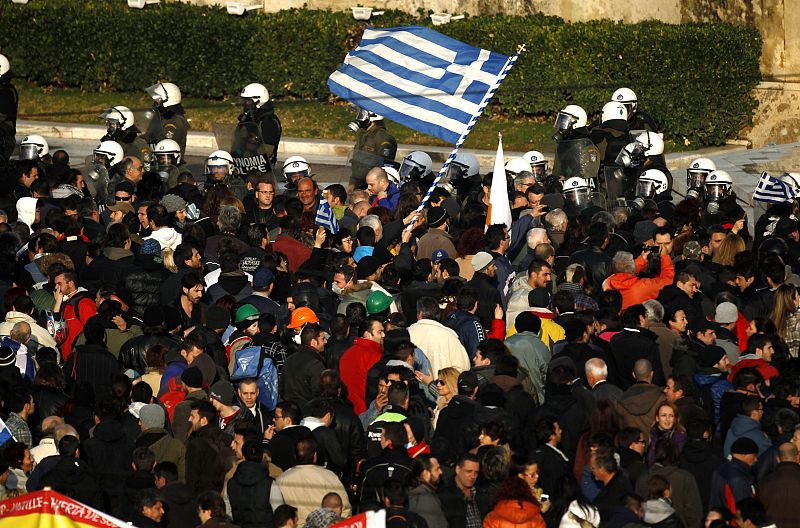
<point x="772" y="190"/>
<point x="325" y="217"/>
<point x="5" y="433"/>
<point x="419" y="78"/>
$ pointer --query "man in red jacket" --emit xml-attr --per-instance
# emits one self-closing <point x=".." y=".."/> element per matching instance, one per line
<point x="74" y="305"/>
<point x="357" y="360"/>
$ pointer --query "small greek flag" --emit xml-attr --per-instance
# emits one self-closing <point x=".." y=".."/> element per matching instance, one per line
<point x="419" y="78"/>
<point x="325" y="217"/>
<point x="5" y="433"/>
<point x="772" y="190"/>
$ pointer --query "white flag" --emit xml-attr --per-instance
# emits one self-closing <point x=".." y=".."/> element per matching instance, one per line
<point x="499" y="208"/>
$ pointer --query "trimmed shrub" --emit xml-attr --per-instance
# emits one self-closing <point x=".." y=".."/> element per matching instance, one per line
<point x="695" y="79"/>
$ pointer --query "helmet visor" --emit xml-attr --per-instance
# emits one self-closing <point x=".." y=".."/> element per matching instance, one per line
<point x="565" y="121"/>
<point x="716" y="192"/>
<point x="540" y="171"/>
<point x="248" y="104"/>
<point x="580" y="198"/>
<point x="695" y="178"/>
<point x="410" y="170"/>
<point x="166" y="159"/>
<point x="457" y="172"/>
<point x="362" y="115"/>
<point x="216" y="170"/>
<point x="29" y="152"/>
<point x="631" y="155"/>
<point x="646" y="188"/>
<point x="158" y="93"/>
<point x="101" y="158"/>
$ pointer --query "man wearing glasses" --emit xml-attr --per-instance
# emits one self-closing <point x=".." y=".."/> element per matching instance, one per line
<point x="260" y="211"/>
<point x="132" y="172"/>
<point x="747" y="424"/>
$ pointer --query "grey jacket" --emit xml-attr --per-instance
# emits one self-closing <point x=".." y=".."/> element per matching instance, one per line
<point x="423" y="501"/>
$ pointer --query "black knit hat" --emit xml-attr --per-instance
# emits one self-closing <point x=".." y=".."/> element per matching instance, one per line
<point x="192" y="377"/>
<point x="437" y="216"/>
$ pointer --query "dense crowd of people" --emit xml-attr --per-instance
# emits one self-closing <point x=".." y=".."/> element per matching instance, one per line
<point x="210" y="354"/>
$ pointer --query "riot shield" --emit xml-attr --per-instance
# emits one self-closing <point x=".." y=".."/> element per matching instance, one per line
<point x="576" y="157"/>
<point x="248" y="150"/>
<point x="615" y="179"/>
<point x="97" y="179"/>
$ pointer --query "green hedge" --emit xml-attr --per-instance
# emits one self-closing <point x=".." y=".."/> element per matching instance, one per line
<point x="695" y="79"/>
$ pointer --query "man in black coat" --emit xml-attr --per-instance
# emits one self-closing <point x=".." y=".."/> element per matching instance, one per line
<point x="615" y="485"/>
<point x="592" y="257"/>
<point x="684" y="294"/>
<point x="303" y="369"/>
<point x="250" y="487"/>
<point x="285" y="433"/>
<point x="520" y="405"/>
<point x="346" y="426"/>
<point x="699" y="458"/>
<point x="633" y="343"/>
<point x="72" y="477"/>
<point x="209" y="456"/>
<point x="180" y="502"/>
<point x="553" y="463"/>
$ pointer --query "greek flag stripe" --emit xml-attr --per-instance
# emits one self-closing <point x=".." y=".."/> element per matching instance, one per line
<point x="325" y="217"/>
<point x="772" y="190"/>
<point x="419" y="78"/>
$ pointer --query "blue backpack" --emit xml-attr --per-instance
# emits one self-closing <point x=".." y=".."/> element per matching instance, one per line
<point x="254" y="362"/>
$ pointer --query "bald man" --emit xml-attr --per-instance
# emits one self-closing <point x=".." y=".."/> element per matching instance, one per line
<point x="47" y="445"/>
<point x="17" y="340"/>
<point x="778" y="490"/>
<point x="641" y="401"/>
<point x="383" y="193"/>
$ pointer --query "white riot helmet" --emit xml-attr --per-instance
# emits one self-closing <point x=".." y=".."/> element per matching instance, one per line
<point x="108" y="153"/>
<point x="515" y="166"/>
<point x="117" y="119"/>
<point x="718" y="185"/>
<point x="415" y="166"/>
<point x="219" y="164"/>
<point x="571" y="117"/>
<point x="614" y="110"/>
<point x="464" y="165"/>
<point x="793" y="180"/>
<point x="698" y="171"/>
<point x="5" y="66"/>
<point x="577" y="192"/>
<point x="255" y="93"/>
<point x="168" y="152"/>
<point x="33" y="147"/>
<point x="652" y="142"/>
<point x="294" y="168"/>
<point x="627" y="97"/>
<point x="393" y="175"/>
<point x="164" y="94"/>
<point x="537" y="162"/>
<point x="650" y="183"/>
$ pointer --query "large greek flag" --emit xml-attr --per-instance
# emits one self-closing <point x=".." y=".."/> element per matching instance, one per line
<point x="419" y="78"/>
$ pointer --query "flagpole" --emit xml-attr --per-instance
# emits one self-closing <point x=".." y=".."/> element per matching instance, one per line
<point x="474" y="119"/>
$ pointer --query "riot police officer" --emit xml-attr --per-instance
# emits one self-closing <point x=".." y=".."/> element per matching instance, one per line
<point x="258" y="108"/>
<point x="417" y="167"/>
<point x="104" y="166"/>
<point x="295" y="169"/>
<point x="170" y="162"/>
<point x="375" y="147"/>
<point x="638" y="119"/>
<point x="464" y="174"/>
<point x="571" y="123"/>
<point x="613" y="133"/>
<point x="9" y="101"/>
<point x="654" y="185"/>
<point x="538" y="164"/>
<point x="169" y="119"/>
<point x="120" y="127"/>
<point x="696" y="175"/>
<point x="577" y="193"/>
<point x="219" y="171"/>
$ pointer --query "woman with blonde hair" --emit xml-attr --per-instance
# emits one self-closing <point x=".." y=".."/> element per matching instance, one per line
<point x="786" y="317"/>
<point x="442" y="388"/>
<point x="726" y="252"/>
<point x="667" y="427"/>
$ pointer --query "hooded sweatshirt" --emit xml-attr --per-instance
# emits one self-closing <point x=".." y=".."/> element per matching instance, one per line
<point x="26" y="211"/>
<point x="657" y="511"/>
<point x="167" y="237"/>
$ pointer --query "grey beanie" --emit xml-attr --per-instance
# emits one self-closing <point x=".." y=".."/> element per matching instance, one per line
<point x="152" y="416"/>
